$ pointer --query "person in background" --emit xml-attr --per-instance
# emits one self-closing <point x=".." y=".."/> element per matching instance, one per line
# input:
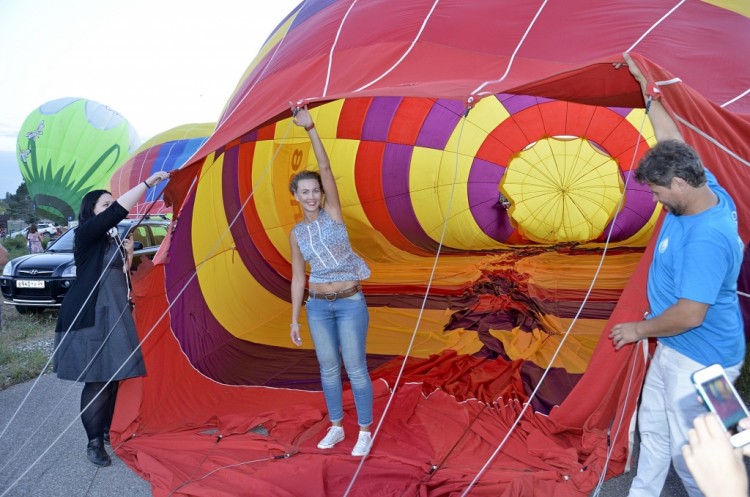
<point x="692" y="294"/>
<point x="718" y="468"/>
<point x="34" y="239"/>
<point x="336" y="310"/>
<point x="96" y="341"/>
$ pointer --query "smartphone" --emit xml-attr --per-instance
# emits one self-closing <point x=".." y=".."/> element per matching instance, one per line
<point x="720" y="397"/>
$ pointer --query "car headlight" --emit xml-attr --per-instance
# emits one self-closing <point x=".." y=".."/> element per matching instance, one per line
<point x="8" y="269"/>
<point x="69" y="272"/>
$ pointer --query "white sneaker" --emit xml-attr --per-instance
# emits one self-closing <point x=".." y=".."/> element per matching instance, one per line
<point x="364" y="442"/>
<point x="335" y="435"/>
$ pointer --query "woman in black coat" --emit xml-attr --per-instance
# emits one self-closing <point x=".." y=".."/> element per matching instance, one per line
<point x="96" y="340"/>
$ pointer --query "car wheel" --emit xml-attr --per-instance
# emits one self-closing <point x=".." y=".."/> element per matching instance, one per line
<point x="25" y="309"/>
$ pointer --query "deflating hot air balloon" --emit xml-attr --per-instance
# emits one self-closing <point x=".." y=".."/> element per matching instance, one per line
<point x="164" y="152"/>
<point x="483" y="153"/>
<point x="68" y="147"/>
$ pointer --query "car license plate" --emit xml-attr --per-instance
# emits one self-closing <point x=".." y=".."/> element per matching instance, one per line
<point x="30" y="284"/>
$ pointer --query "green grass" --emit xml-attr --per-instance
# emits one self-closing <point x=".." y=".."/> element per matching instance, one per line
<point x="16" y="247"/>
<point x="26" y="342"/>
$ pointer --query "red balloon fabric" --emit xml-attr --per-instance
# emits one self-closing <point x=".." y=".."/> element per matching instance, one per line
<point x="452" y="412"/>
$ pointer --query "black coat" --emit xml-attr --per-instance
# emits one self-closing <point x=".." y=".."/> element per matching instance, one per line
<point x="91" y="241"/>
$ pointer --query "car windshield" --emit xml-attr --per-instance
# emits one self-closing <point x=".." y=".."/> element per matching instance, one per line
<point x="65" y="242"/>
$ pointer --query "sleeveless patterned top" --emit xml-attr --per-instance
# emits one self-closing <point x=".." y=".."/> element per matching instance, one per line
<point x="324" y="243"/>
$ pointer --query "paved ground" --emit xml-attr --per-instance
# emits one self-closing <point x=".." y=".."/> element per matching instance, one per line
<point x="62" y="469"/>
<point x="42" y="452"/>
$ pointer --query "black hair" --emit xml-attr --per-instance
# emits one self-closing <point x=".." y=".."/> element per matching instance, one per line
<point x="88" y="202"/>
<point x="671" y="159"/>
<point x="302" y="176"/>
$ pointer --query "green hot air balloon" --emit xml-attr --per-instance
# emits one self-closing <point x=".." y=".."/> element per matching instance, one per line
<point x="68" y="147"/>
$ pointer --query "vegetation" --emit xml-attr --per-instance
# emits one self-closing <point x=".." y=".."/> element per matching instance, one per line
<point x="16" y="247"/>
<point x="20" y="206"/>
<point x="26" y="342"/>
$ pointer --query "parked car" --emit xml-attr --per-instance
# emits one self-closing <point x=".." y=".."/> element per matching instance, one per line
<point x="36" y="282"/>
<point x="45" y="229"/>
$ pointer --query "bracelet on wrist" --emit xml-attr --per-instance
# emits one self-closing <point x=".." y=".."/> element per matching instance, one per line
<point x="293" y="324"/>
<point x="147" y="185"/>
<point x="308" y="128"/>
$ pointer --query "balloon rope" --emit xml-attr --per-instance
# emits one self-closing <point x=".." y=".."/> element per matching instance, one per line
<point x="62" y="340"/>
<point x="653" y="26"/>
<point x="247" y="92"/>
<point x="712" y="140"/>
<point x="49" y="360"/>
<point x="424" y="303"/>
<point x="641" y="348"/>
<point x="513" y="56"/>
<point x="404" y="55"/>
<point x="215" y="470"/>
<point x="55" y="410"/>
<point x="44" y="368"/>
<point x="159" y="320"/>
<point x="191" y="478"/>
<point x="567" y="332"/>
<point x="333" y="47"/>
<point x="166" y="157"/>
<point x="738" y="97"/>
<point x="644" y="345"/>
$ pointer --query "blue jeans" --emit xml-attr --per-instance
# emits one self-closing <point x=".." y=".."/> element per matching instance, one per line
<point x="669" y="404"/>
<point x="339" y="329"/>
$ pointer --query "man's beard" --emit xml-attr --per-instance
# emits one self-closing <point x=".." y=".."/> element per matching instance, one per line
<point x="675" y="210"/>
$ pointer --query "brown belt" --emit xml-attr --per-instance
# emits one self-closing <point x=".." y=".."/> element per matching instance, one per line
<point x="331" y="296"/>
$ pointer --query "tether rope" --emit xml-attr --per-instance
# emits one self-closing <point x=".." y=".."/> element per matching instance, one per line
<point x="636" y="354"/>
<point x="216" y="470"/>
<point x="106" y="269"/>
<point x="710" y="138"/>
<point x="594" y="279"/>
<point x="738" y="97"/>
<point x="211" y="254"/>
<point x="333" y="47"/>
<point x="78" y="314"/>
<point x="421" y="310"/>
<point x="406" y="53"/>
<point x="643" y="344"/>
<point x="260" y="76"/>
<point x="59" y="403"/>
<point x="655" y="25"/>
<point x="513" y="55"/>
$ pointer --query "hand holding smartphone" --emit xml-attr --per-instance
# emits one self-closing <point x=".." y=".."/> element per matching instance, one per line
<point x="721" y="398"/>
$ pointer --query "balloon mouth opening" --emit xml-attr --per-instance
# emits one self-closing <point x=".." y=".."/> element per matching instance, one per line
<point x="561" y="189"/>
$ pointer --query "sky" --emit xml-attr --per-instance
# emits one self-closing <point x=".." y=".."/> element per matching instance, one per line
<point x="158" y="63"/>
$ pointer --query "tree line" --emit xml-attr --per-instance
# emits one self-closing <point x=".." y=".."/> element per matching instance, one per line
<point x="19" y="205"/>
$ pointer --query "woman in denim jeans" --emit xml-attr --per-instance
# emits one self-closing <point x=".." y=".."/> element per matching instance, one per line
<point x="336" y="310"/>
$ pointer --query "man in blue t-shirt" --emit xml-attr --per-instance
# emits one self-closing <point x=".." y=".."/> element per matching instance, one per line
<point x="692" y="294"/>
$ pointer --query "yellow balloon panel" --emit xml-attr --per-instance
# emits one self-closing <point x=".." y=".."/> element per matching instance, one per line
<point x="231" y="300"/>
<point x="562" y="191"/>
<point x="437" y="181"/>
<point x="540" y="347"/>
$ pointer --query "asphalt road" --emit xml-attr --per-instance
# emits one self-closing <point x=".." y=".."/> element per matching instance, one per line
<point x="42" y="451"/>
